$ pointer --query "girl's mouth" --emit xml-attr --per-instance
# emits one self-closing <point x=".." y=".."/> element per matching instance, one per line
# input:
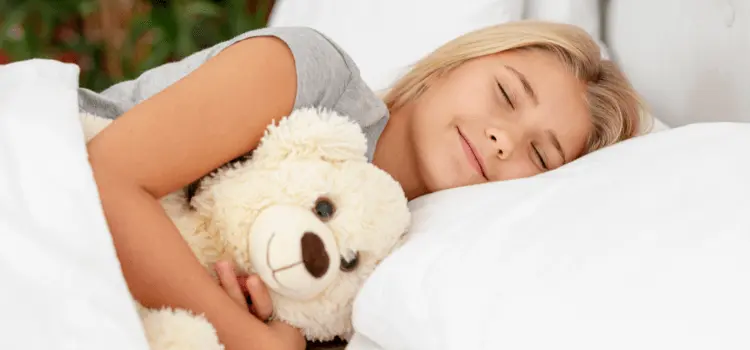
<point x="472" y="156"/>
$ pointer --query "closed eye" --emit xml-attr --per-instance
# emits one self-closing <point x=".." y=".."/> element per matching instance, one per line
<point x="539" y="156"/>
<point x="505" y="95"/>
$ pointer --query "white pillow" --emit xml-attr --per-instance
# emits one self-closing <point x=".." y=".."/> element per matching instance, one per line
<point x="644" y="245"/>
<point x="688" y="58"/>
<point x="385" y="37"/>
<point x="60" y="282"/>
<point x="583" y="13"/>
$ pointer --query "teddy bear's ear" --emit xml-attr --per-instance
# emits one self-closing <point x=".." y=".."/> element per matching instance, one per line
<point x="312" y="133"/>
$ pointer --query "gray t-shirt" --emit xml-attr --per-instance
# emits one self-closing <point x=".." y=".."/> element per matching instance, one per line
<point x="326" y="77"/>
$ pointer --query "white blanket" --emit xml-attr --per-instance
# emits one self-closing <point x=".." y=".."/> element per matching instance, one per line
<point x="61" y="282"/>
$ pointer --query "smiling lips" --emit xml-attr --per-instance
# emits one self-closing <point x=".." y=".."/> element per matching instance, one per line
<point x="472" y="156"/>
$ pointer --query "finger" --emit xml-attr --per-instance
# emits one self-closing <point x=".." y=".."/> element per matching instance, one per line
<point x="242" y="281"/>
<point x="228" y="280"/>
<point x="262" y="305"/>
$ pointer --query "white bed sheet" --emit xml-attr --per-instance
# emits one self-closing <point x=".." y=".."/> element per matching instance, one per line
<point x="61" y="282"/>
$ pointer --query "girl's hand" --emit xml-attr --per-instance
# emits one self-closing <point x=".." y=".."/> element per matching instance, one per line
<point x="240" y="288"/>
<point x="261" y="305"/>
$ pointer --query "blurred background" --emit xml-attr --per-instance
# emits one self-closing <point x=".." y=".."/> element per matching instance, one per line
<point x="115" y="40"/>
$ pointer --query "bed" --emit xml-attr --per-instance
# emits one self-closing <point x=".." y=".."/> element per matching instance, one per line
<point x="640" y="246"/>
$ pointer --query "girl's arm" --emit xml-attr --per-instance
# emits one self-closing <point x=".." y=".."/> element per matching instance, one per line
<point x="213" y="115"/>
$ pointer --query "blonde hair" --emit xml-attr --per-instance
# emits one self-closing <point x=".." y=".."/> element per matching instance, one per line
<point x="617" y="111"/>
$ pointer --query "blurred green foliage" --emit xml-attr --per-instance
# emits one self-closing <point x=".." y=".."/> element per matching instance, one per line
<point x="173" y="29"/>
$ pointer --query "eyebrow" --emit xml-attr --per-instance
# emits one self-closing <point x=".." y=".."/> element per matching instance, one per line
<point x="525" y="83"/>
<point x="556" y="143"/>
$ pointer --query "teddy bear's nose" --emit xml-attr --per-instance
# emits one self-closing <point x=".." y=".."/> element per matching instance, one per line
<point x="314" y="255"/>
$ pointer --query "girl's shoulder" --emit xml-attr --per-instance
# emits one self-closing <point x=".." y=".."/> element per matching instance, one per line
<point x="327" y="77"/>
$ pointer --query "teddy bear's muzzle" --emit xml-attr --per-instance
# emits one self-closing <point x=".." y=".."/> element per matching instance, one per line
<point x="294" y="253"/>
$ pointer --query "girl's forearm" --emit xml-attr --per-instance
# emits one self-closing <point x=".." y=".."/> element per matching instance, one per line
<point x="160" y="269"/>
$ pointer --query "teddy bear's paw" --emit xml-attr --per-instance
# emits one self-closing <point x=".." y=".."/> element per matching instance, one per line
<point x="169" y="329"/>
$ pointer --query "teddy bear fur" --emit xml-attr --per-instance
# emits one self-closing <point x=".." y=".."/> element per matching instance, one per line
<point x="307" y="212"/>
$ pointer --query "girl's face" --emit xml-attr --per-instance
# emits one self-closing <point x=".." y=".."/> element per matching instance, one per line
<point x="499" y="117"/>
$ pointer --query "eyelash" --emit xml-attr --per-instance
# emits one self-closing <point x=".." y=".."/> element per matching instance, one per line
<point x="505" y="95"/>
<point x="539" y="156"/>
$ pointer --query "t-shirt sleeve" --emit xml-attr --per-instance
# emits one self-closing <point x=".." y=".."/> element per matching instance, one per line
<point x="326" y="77"/>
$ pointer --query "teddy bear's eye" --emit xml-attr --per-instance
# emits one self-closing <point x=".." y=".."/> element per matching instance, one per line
<point x="324" y="209"/>
<point x="350" y="265"/>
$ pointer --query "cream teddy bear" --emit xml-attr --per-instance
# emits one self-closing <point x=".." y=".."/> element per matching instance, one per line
<point x="305" y="211"/>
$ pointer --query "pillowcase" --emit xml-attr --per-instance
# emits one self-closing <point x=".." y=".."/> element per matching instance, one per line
<point x="642" y="245"/>
<point x="62" y="287"/>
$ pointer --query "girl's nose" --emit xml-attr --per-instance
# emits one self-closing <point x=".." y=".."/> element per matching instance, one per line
<point x="501" y="142"/>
